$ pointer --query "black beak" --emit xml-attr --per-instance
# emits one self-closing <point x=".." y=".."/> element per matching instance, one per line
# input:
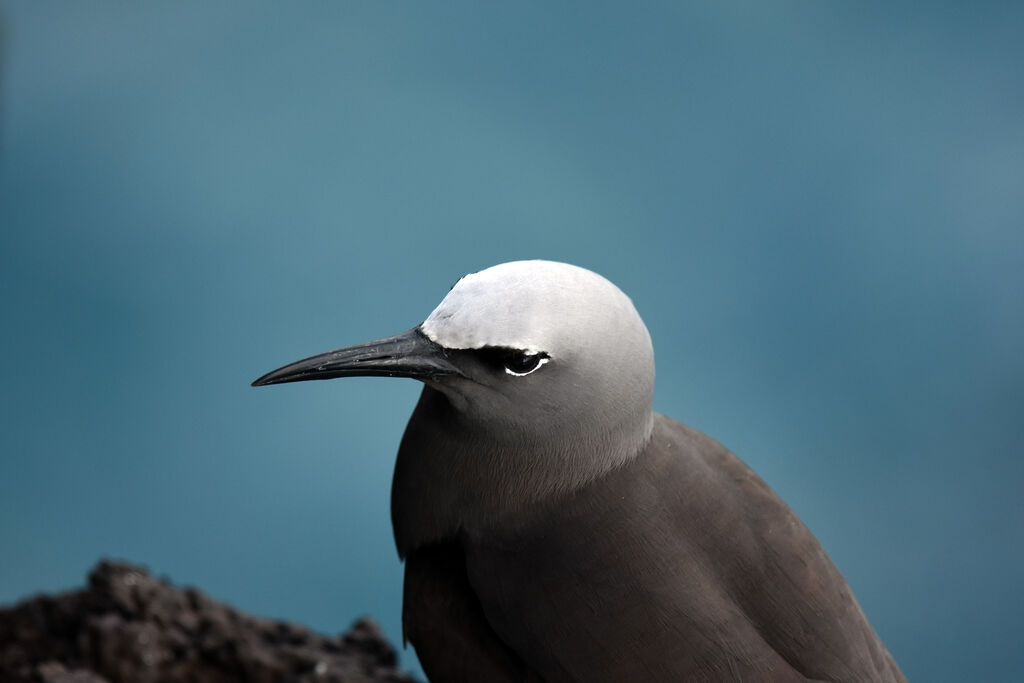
<point x="410" y="354"/>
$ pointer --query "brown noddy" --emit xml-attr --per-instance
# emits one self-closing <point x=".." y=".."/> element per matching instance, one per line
<point x="554" y="528"/>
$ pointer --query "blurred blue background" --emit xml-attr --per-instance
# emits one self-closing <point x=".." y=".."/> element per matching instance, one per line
<point x="817" y="207"/>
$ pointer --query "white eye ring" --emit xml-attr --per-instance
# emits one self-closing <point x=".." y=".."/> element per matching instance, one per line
<point x="534" y="361"/>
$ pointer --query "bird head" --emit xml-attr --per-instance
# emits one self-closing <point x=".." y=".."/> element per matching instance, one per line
<point x="527" y="351"/>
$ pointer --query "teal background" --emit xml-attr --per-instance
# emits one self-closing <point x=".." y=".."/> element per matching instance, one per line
<point x="818" y="208"/>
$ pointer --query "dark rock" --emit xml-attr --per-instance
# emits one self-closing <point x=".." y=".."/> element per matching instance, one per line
<point x="128" y="627"/>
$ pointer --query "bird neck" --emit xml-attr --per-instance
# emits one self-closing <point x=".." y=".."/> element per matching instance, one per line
<point x="452" y="477"/>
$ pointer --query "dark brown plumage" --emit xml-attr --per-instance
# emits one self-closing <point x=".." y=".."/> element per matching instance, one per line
<point x="681" y="565"/>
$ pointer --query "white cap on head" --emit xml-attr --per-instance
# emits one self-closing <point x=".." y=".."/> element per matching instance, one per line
<point x="530" y="305"/>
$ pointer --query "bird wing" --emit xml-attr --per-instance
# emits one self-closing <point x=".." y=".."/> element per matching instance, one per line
<point x="682" y="565"/>
<point x="778" y="574"/>
<point x="775" y="571"/>
<point x="442" y="618"/>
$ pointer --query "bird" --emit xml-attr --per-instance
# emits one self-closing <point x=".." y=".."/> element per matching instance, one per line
<point x="555" y="528"/>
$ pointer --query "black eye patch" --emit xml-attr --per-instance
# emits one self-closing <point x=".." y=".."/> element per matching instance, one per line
<point x="516" y="362"/>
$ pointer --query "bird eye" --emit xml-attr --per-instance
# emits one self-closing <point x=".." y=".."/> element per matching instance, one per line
<point x="521" y="363"/>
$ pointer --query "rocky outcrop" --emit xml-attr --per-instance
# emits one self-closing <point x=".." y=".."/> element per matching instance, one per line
<point x="129" y="627"/>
